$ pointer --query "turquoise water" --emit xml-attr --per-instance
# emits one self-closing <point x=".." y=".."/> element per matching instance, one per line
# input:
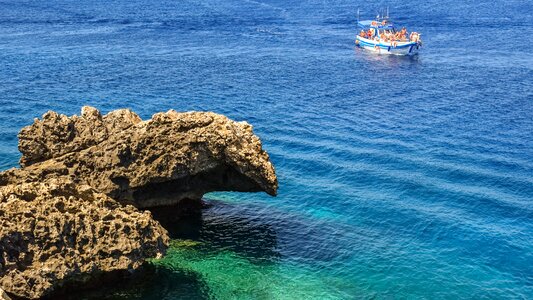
<point x="399" y="178"/>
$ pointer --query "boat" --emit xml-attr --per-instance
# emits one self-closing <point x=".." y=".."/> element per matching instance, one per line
<point x="374" y="33"/>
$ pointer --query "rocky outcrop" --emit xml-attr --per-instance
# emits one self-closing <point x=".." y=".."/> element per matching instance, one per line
<point x="161" y="161"/>
<point x="71" y="213"/>
<point x="3" y="295"/>
<point x="55" y="233"/>
<point x="56" y="134"/>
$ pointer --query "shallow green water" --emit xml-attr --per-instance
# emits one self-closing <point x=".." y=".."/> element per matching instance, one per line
<point x="226" y="275"/>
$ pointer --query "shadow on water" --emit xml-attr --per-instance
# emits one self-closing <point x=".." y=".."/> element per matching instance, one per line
<point x="153" y="284"/>
<point x="217" y="228"/>
<point x="212" y="231"/>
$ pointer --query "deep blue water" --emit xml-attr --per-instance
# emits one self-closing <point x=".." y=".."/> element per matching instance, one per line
<point x="399" y="177"/>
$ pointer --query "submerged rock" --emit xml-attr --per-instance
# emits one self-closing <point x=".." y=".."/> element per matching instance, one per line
<point x="56" y="233"/>
<point x="157" y="162"/>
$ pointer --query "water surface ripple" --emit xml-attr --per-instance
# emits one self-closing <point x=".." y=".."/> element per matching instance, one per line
<point x="399" y="178"/>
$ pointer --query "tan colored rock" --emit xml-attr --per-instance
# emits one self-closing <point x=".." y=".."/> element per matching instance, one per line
<point x="161" y="161"/>
<point x="55" y="233"/>
<point x="3" y="295"/>
<point x="55" y="134"/>
<point x="65" y="216"/>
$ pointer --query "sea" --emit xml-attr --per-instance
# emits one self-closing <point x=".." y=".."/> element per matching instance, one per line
<point x="399" y="177"/>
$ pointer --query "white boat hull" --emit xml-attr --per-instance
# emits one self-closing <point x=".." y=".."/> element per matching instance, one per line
<point x="400" y="48"/>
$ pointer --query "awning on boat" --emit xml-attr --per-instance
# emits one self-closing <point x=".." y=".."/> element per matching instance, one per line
<point x="374" y="24"/>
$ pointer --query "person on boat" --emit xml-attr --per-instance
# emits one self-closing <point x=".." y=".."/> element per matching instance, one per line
<point x="397" y="36"/>
<point x="362" y="34"/>
<point x="390" y="36"/>
<point x="393" y="40"/>
<point x="414" y="37"/>
<point x="370" y="33"/>
<point x="403" y="34"/>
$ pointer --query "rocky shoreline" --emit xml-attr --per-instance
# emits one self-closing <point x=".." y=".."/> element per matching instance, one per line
<point x="77" y="209"/>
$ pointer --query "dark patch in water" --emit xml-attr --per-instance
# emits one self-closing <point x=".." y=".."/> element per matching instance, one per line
<point x="154" y="283"/>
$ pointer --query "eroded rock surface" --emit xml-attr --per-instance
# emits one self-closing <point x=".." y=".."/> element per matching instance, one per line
<point x="66" y="218"/>
<point x="56" y="134"/>
<point x="161" y="161"/>
<point x="3" y="295"/>
<point x="57" y="232"/>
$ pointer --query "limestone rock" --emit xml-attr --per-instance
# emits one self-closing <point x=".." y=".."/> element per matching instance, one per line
<point x="3" y="295"/>
<point x="66" y="218"/>
<point x="161" y="161"/>
<point x="57" y="134"/>
<point x="54" y="233"/>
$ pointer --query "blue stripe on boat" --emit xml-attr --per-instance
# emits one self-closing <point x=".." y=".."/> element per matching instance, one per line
<point x="361" y="42"/>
